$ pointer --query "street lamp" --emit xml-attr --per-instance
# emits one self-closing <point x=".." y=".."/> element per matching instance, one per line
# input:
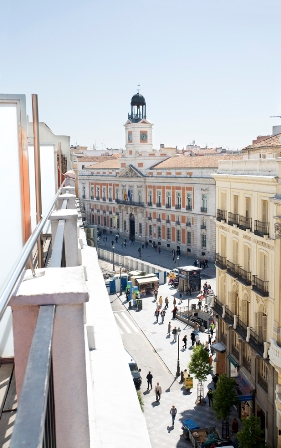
<point x="178" y="361"/>
<point x="113" y="247"/>
<point x="178" y="258"/>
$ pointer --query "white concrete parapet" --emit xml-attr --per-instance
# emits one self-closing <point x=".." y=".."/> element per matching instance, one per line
<point x="70" y="234"/>
<point x="70" y="200"/>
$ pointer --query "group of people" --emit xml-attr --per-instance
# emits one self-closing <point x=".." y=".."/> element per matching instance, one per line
<point x="162" y="311"/>
<point x="158" y="393"/>
<point x="202" y="263"/>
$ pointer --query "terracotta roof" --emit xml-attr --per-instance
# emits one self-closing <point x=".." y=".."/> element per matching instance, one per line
<point x="110" y="162"/>
<point x="97" y="159"/>
<point x="195" y="161"/>
<point x="270" y="142"/>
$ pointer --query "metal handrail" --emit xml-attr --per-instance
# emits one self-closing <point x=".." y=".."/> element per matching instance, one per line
<point x="26" y="251"/>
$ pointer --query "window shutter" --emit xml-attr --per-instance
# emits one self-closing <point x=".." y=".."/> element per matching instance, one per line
<point x="244" y="311"/>
<point x="264" y="327"/>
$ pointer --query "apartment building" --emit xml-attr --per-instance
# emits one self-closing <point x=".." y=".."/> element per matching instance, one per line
<point x="153" y="195"/>
<point x="248" y="223"/>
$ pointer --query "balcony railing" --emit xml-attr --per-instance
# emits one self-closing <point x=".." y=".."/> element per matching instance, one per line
<point x="233" y="219"/>
<point x="159" y="219"/>
<point x="203" y="209"/>
<point x="133" y="203"/>
<point x="260" y="286"/>
<point x="104" y="198"/>
<point x="244" y="276"/>
<point x="149" y="204"/>
<point x="256" y="342"/>
<point x="92" y="197"/>
<point x="218" y="306"/>
<point x="178" y="206"/>
<point x="229" y="316"/>
<point x="168" y="205"/>
<point x="149" y="218"/>
<point x="188" y="224"/>
<point x="223" y="338"/>
<point x="158" y="204"/>
<point x="241" y="328"/>
<point x="232" y="269"/>
<point x="203" y="227"/>
<point x="235" y="352"/>
<point x="261" y="228"/>
<point x="83" y="196"/>
<point x="221" y="215"/>
<point x="97" y="198"/>
<point x="168" y="221"/>
<point x="247" y="364"/>
<point x="188" y="207"/>
<point x="263" y="383"/>
<point x="110" y="199"/>
<point x="245" y="223"/>
<point x="178" y="223"/>
<point x="220" y="262"/>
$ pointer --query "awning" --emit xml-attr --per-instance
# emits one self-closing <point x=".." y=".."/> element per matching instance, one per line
<point x="233" y="362"/>
<point x="218" y="346"/>
<point x="143" y="281"/>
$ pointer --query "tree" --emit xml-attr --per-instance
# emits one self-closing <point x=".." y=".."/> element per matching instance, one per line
<point x="251" y="435"/>
<point x="224" y="397"/>
<point x="199" y="364"/>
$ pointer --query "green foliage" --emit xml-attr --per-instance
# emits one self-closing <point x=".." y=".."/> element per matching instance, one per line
<point x="251" y="435"/>
<point x="224" y="397"/>
<point x="139" y="394"/>
<point x="199" y="364"/>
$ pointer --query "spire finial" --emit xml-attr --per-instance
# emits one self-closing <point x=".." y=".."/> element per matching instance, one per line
<point x="138" y="88"/>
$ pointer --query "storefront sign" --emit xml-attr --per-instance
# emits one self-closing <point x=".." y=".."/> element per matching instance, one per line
<point x="245" y="397"/>
<point x="189" y="382"/>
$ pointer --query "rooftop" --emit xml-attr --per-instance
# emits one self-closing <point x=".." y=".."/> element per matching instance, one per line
<point x="271" y="142"/>
<point x="182" y="161"/>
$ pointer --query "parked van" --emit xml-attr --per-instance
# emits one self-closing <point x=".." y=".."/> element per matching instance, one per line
<point x="135" y="371"/>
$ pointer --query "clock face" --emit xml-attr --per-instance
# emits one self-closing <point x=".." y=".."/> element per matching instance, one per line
<point x="130" y="137"/>
<point x="143" y="136"/>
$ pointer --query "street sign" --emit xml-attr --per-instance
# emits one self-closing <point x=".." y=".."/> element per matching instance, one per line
<point x="245" y="397"/>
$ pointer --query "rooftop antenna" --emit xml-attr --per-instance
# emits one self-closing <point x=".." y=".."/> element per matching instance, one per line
<point x="275" y="116"/>
<point x="138" y="88"/>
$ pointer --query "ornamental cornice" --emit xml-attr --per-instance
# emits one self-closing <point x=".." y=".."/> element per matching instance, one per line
<point x="226" y="229"/>
<point x="247" y="237"/>
<point x="247" y="178"/>
<point x="235" y="232"/>
<point x="263" y="244"/>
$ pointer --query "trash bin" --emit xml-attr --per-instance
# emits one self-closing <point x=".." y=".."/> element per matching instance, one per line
<point x="140" y="304"/>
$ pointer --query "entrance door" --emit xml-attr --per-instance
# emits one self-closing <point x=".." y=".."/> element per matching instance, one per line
<point x="132" y="227"/>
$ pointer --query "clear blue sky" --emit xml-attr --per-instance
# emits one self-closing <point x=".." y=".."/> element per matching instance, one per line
<point x="210" y="70"/>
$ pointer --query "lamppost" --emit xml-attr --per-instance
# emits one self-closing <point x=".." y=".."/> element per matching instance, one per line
<point x="178" y="361"/>
<point x="113" y="248"/>
<point x="178" y="258"/>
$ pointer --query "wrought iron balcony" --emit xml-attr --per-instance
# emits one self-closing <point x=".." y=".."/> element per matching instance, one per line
<point x="188" y="207"/>
<point x="127" y="202"/>
<point x="233" y="219"/>
<point x="203" y="227"/>
<point x="256" y="342"/>
<point x="260" y="286"/>
<point x="247" y="364"/>
<point x="229" y="316"/>
<point x="261" y="228"/>
<point x="221" y="215"/>
<point x="241" y="328"/>
<point x="168" y="221"/>
<point x="188" y="224"/>
<point x="83" y="196"/>
<point x="158" y="204"/>
<point x="232" y="269"/>
<point x="217" y="306"/>
<point x="149" y="218"/>
<point x="220" y="262"/>
<point x="235" y="352"/>
<point x="223" y="338"/>
<point x="92" y="197"/>
<point x="245" y="223"/>
<point x="263" y="383"/>
<point x="178" y="206"/>
<point x="178" y="223"/>
<point x="104" y="198"/>
<point x="244" y="276"/>
<point x="110" y="199"/>
<point x="204" y="209"/>
<point x="159" y="219"/>
<point x="149" y="204"/>
<point x="97" y="198"/>
<point x="168" y="205"/>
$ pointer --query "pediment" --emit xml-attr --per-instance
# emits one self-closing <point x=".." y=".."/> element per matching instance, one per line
<point x="130" y="171"/>
<point x="145" y="121"/>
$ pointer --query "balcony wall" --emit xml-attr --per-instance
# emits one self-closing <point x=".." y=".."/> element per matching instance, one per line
<point x="275" y="355"/>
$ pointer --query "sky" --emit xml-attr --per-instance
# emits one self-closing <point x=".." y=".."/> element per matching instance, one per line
<point x="210" y="70"/>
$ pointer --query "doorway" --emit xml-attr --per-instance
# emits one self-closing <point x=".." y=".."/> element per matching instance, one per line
<point x="132" y="227"/>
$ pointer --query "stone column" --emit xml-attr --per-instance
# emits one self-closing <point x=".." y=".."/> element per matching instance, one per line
<point x="65" y="288"/>
<point x="70" y="200"/>
<point x="69" y="189"/>
<point x="70" y="234"/>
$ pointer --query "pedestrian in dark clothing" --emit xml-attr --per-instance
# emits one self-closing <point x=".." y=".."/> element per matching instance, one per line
<point x="173" y="413"/>
<point x="192" y="336"/>
<point x="166" y="303"/>
<point x="184" y="340"/>
<point x="210" y="339"/>
<point x="215" y="380"/>
<point x="210" y="397"/>
<point x="156" y="314"/>
<point x="155" y="292"/>
<point x="158" y="391"/>
<point x="169" y="329"/>
<point x="234" y="426"/>
<point x="174" y="312"/>
<point x="174" y="333"/>
<point x="116" y="239"/>
<point x="199" y="304"/>
<point x="163" y="312"/>
<point x="149" y="380"/>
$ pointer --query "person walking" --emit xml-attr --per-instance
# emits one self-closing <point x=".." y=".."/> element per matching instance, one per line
<point x="158" y="391"/>
<point x="175" y="332"/>
<point x="169" y="329"/>
<point x="235" y="426"/>
<point x="210" y="397"/>
<point x="212" y="327"/>
<point x="192" y="337"/>
<point x="166" y="303"/>
<point x="160" y="301"/>
<point x="163" y="312"/>
<point x="184" y="340"/>
<point x="173" y="412"/>
<point x="197" y="338"/>
<point x="156" y="314"/>
<point x="215" y="380"/>
<point x="155" y="292"/>
<point x="174" y="301"/>
<point x="149" y="380"/>
<point x="180" y="298"/>
<point x="174" y="312"/>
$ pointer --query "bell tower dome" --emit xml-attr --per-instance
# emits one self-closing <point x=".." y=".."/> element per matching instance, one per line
<point x="138" y="108"/>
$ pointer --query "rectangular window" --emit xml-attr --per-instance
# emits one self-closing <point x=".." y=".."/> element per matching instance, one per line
<point x="103" y="192"/>
<point x="150" y="230"/>
<point x="168" y="233"/>
<point x="104" y="221"/>
<point x="203" y="239"/>
<point x="140" y="229"/>
<point x="117" y="223"/>
<point x="116" y="193"/>
<point x="188" y="237"/>
<point x="125" y="226"/>
<point x="248" y="208"/>
<point x="168" y="198"/>
<point x="189" y="201"/>
<point x="98" y="192"/>
<point x="235" y="204"/>
<point x="178" y="236"/>
<point x="159" y="231"/>
<point x="158" y="198"/>
<point x="98" y="220"/>
<point x="264" y="211"/>
<point x="140" y="195"/>
<point x="178" y="200"/>
<point x="204" y="204"/>
<point x="110" y="193"/>
<point x="110" y="222"/>
<point x="223" y="201"/>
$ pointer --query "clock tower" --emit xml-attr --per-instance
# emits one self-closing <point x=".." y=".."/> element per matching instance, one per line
<point x="138" y="129"/>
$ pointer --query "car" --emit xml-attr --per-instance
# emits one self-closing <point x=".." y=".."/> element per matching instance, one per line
<point x="176" y="271"/>
<point x="135" y="371"/>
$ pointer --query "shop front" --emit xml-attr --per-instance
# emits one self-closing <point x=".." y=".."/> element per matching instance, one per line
<point x="245" y="396"/>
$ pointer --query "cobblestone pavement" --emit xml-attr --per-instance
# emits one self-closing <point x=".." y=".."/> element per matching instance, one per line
<point x="157" y="415"/>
